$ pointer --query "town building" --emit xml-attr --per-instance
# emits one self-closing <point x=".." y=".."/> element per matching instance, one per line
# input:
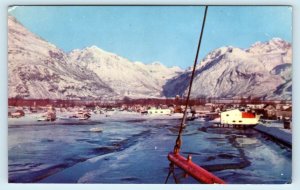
<point x="238" y="117"/>
<point x="155" y="111"/>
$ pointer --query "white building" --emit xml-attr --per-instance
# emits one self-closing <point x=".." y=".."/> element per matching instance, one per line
<point x="256" y="106"/>
<point x="237" y="117"/>
<point x="155" y="111"/>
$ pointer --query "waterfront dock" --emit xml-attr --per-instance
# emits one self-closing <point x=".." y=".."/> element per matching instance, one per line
<point x="277" y="132"/>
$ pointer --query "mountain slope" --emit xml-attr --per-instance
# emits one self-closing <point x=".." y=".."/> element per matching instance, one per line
<point x="37" y="69"/>
<point x="135" y="80"/>
<point x="263" y="70"/>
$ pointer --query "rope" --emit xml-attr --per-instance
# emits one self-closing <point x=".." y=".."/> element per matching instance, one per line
<point x="183" y="120"/>
<point x="171" y="171"/>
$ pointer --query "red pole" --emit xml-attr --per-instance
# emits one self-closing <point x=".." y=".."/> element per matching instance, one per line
<point x="194" y="170"/>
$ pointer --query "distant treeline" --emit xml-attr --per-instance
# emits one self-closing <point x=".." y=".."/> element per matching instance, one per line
<point x="132" y="102"/>
<point x="93" y="103"/>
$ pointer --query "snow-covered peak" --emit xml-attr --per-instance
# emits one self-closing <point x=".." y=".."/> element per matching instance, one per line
<point x="277" y="40"/>
<point x="271" y="53"/>
<point x="275" y="45"/>
<point x="217" y="54"/>
<point x="263" y="71"/>
<point x="127" y="78"/>
<point x="98" y="51"/>
<point x="176" y="69"/>
<point x="157" y="63"/>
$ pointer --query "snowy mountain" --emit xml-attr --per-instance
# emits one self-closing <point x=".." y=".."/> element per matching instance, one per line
<point x="263" y="70"/>
<point x="38" y="69"/>
<point x="126" y="78"/>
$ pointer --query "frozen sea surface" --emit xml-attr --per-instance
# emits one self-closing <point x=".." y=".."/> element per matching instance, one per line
<point x="134" y="150"/>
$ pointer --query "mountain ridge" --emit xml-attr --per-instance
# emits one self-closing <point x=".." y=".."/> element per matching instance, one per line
<point x="38" y="69"/>
<point x="230" y="72"/>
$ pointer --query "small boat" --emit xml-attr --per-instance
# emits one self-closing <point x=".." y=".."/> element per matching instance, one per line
<point x="17" y="114"/>
<point x="83" y="115"/>
<point x="72" y="118"/>
<point x="45" y="118"/>
<point x="42" y="119"/>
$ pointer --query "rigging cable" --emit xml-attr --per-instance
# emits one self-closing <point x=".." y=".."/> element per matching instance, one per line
<point x="175" y="158"/>
<point x="183" y="120"/>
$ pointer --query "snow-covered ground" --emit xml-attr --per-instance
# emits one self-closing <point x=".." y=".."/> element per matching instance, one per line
<point x="106" y="116"/>
<point x="276" y="130"/>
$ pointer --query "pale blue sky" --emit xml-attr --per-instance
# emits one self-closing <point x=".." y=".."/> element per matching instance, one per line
<point x="167" y="34"/>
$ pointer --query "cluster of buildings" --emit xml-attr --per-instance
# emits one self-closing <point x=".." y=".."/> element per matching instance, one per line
<point x="228" y="113"/>
<point x="246" y="114"/>
<point x="266" y="111"/>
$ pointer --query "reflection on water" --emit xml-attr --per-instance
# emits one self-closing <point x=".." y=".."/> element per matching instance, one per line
<point x="135" y="152"/>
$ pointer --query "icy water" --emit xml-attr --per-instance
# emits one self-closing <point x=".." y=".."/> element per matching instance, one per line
<point x="135" y="151"/>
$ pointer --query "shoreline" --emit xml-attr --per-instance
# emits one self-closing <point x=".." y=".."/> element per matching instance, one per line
<point x="279" y="134"/>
